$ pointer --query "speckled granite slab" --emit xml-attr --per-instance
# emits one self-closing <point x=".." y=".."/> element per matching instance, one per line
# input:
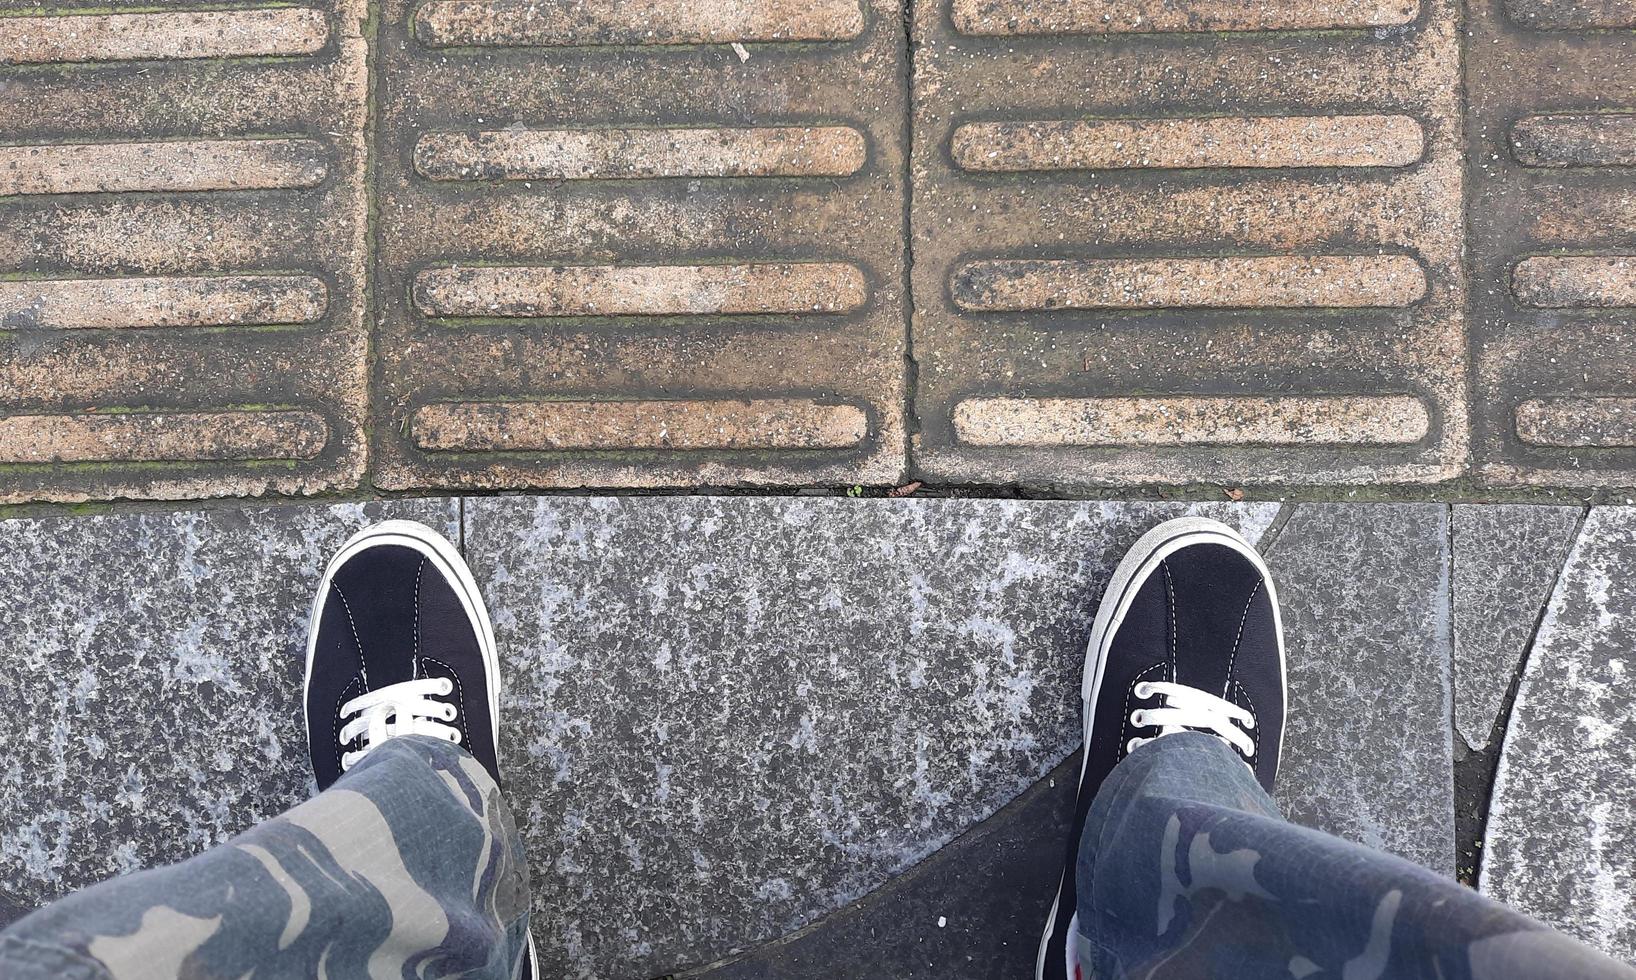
<point x="1367" y="748"/>
<point x="1561" y="841"/>
<point x="736" y="714"/>
<point x="730" y="718"/>
<point x="1506" y="558"/>
<point x="154" y="664"/>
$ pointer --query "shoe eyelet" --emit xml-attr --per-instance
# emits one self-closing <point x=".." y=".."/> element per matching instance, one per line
<point x="1132" y="745"/>
<point x="1138" y="718"/>
<point x="448" y="712"/>
<point x="454" y="737"/>
<point x="448" y="686"/>
<point x="1144" y="690"/>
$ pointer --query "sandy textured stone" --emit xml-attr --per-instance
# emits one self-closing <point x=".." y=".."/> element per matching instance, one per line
<point x="636" y="154"/>
<point x="160" y="657"/>
<point x="1008" y="17"/>
<point x="736" y="714"/>
<point x="1578" y="280"/>
<point x="1596" y="140"/>
<point x="1011" y="285"/>
<point x="161" y="436"/>
<point x="1572" y="15"/>
<point x="180" y="165"/>
<point x="154" y="301"/>
<point x="507" y="22"/>
<point x="1577" y="422"/>
<point x="1219" y="420"/>
<point x="664" y="290"/>
<point x="1561" y="842"/>
<point x="1211" y="141"/>
<point x="163" y="36"/>
<point x="1367" y="751"/>
<point x="1100" y="214"/>
<point x="1506" y="559"/>
<point x="674" y="425"/>
<point x="1551" y="194"/>
<point x="755" y="197"/>
<point x="218" y="186"/>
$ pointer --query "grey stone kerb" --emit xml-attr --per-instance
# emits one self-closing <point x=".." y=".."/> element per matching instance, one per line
<point x="726" y="717"/>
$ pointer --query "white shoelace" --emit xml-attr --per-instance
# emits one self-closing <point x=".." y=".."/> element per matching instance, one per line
<point x="405" y="708"/>
<point x="1188" y="709"/>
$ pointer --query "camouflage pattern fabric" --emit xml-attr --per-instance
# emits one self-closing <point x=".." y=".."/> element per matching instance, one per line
<point x="1186" y="870"/>
<point x="409" y="866"/>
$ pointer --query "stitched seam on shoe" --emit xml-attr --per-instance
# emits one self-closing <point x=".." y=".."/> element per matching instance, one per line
<point x="460" y="695"/>
<point x="1255" y="733"/>
<point x="363" y="662"/>
<point x="1170" y="589"/>
<point x="1233" y="657"/>
<point x="414" y="661"/>
<point x="335" y="727"/>
<point x="1125" y="728"/>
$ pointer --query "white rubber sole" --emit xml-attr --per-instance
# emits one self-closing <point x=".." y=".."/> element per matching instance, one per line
<point x="533" y="958"/>
<point x="444" y="557"/>
<point x="1140" y="562"/>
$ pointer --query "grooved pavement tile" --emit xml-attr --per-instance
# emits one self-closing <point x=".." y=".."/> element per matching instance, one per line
<point x="1552" y="123"/>
<point x="181" y="251"/>
<point x="1166" y="242"/>
<point x="617" y="251"/>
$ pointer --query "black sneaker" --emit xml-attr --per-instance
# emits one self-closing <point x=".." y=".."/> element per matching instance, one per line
<point x="1187" y="638"/>
<point x="400" y="643"/>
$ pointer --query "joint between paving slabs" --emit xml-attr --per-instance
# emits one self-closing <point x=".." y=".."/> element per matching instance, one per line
<point x="1475" y="769"/>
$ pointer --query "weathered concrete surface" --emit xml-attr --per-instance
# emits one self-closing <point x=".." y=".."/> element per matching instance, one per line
<point x="1561" y="841"/>
<point x="160" y="659"/>
<point x="1553" y="200"/>
<point x="749" y="712"/>
<point x="1575" y="281"/>
<point x="1574" y="423"/>
<point x="1367" y="745"/>
<point x="1603" y="139"/>
<point x="1506" y="558"/>
<point x="1138" y="184"/>
<point x="161" y="171"/>
<point x="1207" y="142"/>
<point x="642" y="154"/>
<point x="587" y="206"/>
<point x="760" y="423"/>
<point x="1141" y="423"/>
<point x="1022" y="285"/>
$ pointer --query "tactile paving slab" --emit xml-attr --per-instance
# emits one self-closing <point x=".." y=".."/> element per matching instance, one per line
<point x="182" y="221"/>
<point x="643" y="243"/>
<point x="1183" y="240"/>
<point x="1553" y="240"/>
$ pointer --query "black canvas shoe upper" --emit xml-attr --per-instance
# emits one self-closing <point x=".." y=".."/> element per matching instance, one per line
<point x="1202" y="616"/>
<point x="390" y="611"/>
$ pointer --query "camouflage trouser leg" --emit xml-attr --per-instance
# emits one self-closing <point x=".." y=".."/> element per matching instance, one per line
<point x="1186" y="870"/>
<point x="408" y="866"/>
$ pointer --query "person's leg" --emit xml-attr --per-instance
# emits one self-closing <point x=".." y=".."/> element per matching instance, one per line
<point x="406" y="863"/>
<point x="409" y="862"/>
<point x="1186" y="870"/>
<point x="1179" y="865"/>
